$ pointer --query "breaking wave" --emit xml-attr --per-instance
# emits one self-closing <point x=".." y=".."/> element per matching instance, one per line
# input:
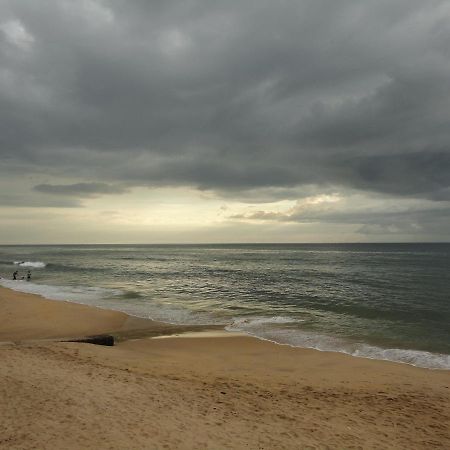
<point x="78" y="294"/>
<point x="35" y="264"/>
<point x="271" y="329"/>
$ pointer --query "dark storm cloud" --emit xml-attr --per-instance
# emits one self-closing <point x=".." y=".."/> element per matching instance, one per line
<point x="229" y="96"/>
<point x="80" y="189"/>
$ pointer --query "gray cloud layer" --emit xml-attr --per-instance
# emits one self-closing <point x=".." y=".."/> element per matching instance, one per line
<point x="230" y="96"/>
<point x="79" y="189"/>
<point x="372" y="215"/>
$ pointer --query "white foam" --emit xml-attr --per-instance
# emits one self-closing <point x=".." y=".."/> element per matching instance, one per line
<point x="255" y="321"/>
<point x="413" y="357"/>
<point x="176" y="315"/>
<point x="265" y="329"/>
<point x="35" y="264"/>
<point x="78" y="294"/>
<point x="111" y="299"/>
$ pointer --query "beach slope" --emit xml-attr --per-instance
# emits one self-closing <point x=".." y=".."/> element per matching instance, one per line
<point x="200" y="390"/>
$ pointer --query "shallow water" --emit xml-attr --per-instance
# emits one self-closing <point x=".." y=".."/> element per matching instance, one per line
<point x="384" y="301"/>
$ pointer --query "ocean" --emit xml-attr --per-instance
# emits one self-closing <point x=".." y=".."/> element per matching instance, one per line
<point x="380" y="301"/>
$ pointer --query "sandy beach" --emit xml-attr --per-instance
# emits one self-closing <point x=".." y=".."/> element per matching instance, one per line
<point x="167" y="387"/>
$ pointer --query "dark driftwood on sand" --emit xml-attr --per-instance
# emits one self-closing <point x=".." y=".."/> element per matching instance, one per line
<point x="101" y="339"/>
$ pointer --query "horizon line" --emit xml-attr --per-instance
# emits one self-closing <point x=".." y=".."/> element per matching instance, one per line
<point x="225" y="243"/>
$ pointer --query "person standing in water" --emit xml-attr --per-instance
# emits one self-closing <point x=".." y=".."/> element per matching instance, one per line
<point x="29" y="275"/>
<point x="15" y="275"/>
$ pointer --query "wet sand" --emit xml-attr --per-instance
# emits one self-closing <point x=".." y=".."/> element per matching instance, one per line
<point x="199" y="390"/>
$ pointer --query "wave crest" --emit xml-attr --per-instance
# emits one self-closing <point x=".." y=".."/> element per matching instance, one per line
<point x="254" y="321"/>
<point x="266" y="328"/>
<point x="35" y="264"/>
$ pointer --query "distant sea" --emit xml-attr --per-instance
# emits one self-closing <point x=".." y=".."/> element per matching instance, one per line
<point x="381" y="301"/>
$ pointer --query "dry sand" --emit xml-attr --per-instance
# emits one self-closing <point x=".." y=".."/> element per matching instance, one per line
<point x="201" y="391"/>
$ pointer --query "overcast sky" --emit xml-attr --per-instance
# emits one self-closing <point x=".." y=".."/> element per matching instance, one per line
<point x="224" y="121"/>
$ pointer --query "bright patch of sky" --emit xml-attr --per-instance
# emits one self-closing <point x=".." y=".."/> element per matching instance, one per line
<point x="17" y="35"/>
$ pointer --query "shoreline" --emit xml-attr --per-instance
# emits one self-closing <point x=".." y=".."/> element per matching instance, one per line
<point x="434" y="360"/>
<point x="203" y="390"/>
<point x="37" y="313"/>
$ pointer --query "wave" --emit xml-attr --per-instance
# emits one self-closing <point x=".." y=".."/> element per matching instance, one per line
<point x="114" y="299"/>
<point x="278" y="329"/>
<point x="413" y="357"/>
<point x="35" y="264"/>
<point x="5" y="262"/>
<point x="77" y="294"/>
<point x="260" y="320"/>
<point x="267" y="329"/>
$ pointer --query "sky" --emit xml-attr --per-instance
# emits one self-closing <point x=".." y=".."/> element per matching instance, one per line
<point x="188" y="121"/>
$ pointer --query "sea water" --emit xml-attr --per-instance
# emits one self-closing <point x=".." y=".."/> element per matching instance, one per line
<point x="382" y="301"/>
